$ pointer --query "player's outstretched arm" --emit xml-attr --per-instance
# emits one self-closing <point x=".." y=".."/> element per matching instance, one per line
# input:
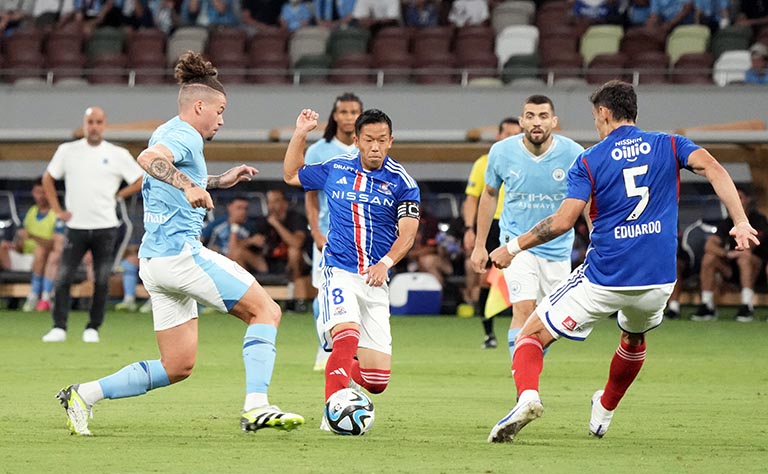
<point x="704" y="164"/>
<point x="231" y="177"/>
<point x="294" y="155"/>
<point x="157" y="161"/>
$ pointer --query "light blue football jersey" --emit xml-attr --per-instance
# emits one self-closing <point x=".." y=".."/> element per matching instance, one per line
<point x="362" y="206"/>
<point x="633" y="178"/>
<point x="318" y="152"/>
<point x="534" y="188"/>
<point x="170" y="222"/>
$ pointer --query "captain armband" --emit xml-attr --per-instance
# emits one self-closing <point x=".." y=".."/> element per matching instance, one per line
<point x="408" y="209"/>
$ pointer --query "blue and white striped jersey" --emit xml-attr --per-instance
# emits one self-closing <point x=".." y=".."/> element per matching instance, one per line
<point x="362" y="206"/>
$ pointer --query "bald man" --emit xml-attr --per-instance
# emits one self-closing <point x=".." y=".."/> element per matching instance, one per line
<point x="93" y="171"/>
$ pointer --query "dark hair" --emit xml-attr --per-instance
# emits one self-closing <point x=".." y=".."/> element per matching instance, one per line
<point x="192" y="69"/>
<point x="512" y="120"/>
<point x="617" y="96"/>
<point x="333" y="127"/>
<point x="372" y="116"/>
<point x="239" y="197"/>
<point x="540" y="99"/>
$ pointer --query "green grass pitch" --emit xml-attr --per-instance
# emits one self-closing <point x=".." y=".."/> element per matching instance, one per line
<point x="700" y="404"/>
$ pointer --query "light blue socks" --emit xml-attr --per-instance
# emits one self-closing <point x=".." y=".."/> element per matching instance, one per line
<point x="259" y="357"/>
<point x="135" y="379"/>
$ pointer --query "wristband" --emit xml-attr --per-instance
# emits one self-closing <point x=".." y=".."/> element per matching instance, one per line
<point x="387" y="261"/>
<point x="513" y="247"/>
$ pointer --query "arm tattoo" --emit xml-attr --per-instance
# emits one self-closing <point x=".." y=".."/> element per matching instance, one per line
<point x="162" y="169"/>
<point x="543" y="230"/>
<point x="213" y="182"/>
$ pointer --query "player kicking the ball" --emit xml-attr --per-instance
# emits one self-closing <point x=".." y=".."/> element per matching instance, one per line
<point x="179" y="272"/>
<point x="374" y="214"/>
<point x="632" y="177"/>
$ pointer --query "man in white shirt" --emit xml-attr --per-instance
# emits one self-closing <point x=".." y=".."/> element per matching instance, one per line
<point x="92" y="170"/>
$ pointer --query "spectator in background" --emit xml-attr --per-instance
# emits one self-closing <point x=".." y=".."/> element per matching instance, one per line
<point x="231" y="235"/>
<point x="31" y="248"/>
<point x="712" y="13"/>
<point x="296" y="14"/>
<point x="136" y="13"/>
<point x="667" y="14"/>
<point x="46" y="13"/>
<point x="333" y="13"/>
<point x="165" y="14"/>
<point x="426" y="255"/>
<point x="260" y="15"/>
<point x="12" y="14"/>
<point x="637" y="13"/>
<point x="421" y="13"/>
<point x="758" y="73"/>
<point x="286" y="243"/>
<point x="478" y="287"/>
<point x="752" y="13"/>
<point x="722" y="258"/>
<point x="92" y="14"/>
<point x="595" y="12"/>
<point x="469" y="13"/>
<point x="92" y="170"/>
<point x="375" y="14"/>
<point x="209" y="13"/>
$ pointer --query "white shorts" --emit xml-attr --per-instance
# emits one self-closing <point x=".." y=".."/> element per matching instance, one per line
<point x="344" y="297"/>
<point x="317" y="267"/>
<point x="530" y="277"/>
<point x="574" y="307"/>
<point x="21" y="262"/>
<point x="176" y="284"/>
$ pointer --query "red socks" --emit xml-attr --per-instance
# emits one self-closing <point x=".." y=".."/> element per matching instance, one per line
<point x="373" y="380"/>
<point x="339" y="366"/>
<point x="625" y="366"/>
<point x="527" y="363"/>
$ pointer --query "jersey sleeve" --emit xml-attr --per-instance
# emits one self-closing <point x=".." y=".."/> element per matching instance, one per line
<point x="683" y="147"/>
<point x="409" y="194"/>
<point x="313" y="176"/>
<point x="476" y="181"/>
<point x="179" y="142"/>
<point x="579" y="184"/>
<point x="492" y="177"/>
<point x="56" y="166"/>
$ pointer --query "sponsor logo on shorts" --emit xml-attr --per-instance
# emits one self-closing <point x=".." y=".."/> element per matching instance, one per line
<point x="569" y="323"/>
<point x="514" y="287"/>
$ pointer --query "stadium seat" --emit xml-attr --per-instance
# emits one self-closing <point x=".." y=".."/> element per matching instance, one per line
<point x="435" y="69"/>
<point x="605" y="67"/>
<point x="600" y="39"/>
<point x="735" y="37"/>
<point x="391" y="38"/>
<point x="520" y="66"/>
<point x="435" y="40"/>
<point x="23" y="55"/>
<point x="349" y="41"/>
<point x="516" y="40"/>
<point x="509" y="13"/>
<point x="186" y="39"/>
<point x="104" y="69"/>
<point x="9" y="216"/>
<point x="639" y="40"/>
<point x="269" y="67"/>
<point x="229" y="42"/>
<point x="105" y="41"/>
<point x="353" y="69"/>
<point x="308" y="41"/>
<point x="472" y="40"/>
<point x="313" y="68"/>
<point x="651" y="67"/>
<point x="146" y="39"/>
<point x="686" y="39"/>
<point x="268" y="41"/>
<point x="693" y="68"/>
<point x="563" y="64"/>
<point x="731" y="67"/>
<point x="396" y="68"/>
<point x="693" y="240"/>
<point x="65" y="59"/>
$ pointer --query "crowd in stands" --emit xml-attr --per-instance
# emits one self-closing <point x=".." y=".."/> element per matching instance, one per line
<point x="424" y="41"/>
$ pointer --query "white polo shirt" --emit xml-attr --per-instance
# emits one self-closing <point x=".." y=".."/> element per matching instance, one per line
<point x="92" y="177"/>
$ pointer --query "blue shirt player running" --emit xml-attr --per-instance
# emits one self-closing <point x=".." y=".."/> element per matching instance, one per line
<point x="338" y="139"/>
<point x="374" y="215"/>
<point x="631" y="179"/>
<point x="532" y="166"/>
<point x="179" y="272"/>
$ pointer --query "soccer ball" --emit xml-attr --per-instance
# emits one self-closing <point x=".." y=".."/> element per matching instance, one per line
<point x="349" y="412"/>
